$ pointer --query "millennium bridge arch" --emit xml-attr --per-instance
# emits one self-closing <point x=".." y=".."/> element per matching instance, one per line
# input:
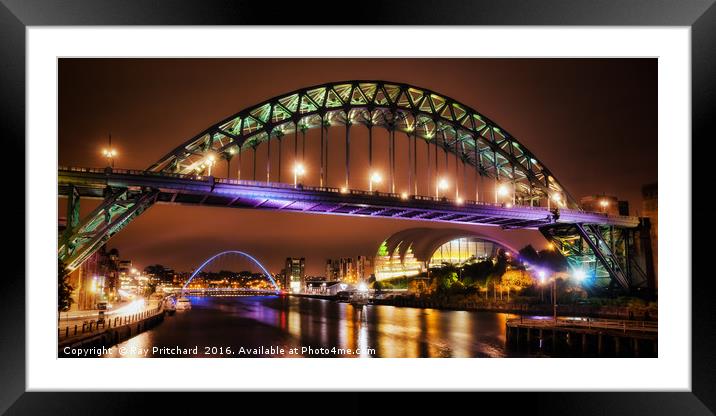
<point x="524" y="192"/>
<point x="230" y="252"/>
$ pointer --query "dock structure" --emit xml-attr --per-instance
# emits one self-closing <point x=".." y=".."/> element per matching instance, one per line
<point x="583" y="336"/>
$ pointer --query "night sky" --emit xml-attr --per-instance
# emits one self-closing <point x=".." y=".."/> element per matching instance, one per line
<point x="593" y="122"/>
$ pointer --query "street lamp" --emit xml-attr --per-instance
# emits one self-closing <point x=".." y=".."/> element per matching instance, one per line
<point x="542" y="280"/>
<point x="556" y="197"/>
<point x="604" y="203"/>
<point x="502" y="190"/>
<point x="109" y="152"/>
<point x="374" y="177"/>
<point x="578" y="275"/>
<point x="110" y="155"/>
<point x="298" y="170"/>
<point x="210" y="161"/>
<point x="442" y="184"/>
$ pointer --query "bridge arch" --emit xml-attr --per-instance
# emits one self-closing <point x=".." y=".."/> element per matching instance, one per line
<point x="418" y="112"/>
<point x="215" y="256"/>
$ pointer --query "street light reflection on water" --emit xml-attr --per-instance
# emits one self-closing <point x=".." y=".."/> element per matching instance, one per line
<point x="290" y="322"/>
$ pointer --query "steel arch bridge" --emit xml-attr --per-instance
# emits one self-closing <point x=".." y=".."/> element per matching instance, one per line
<point x="184" y="175"/>
<point x="418" y="112"/>
<point x="227" y="253"/>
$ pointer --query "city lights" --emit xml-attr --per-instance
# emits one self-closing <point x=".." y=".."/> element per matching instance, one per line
<point x="604" y="203"/>
<point x="404" y="195"/>
<point x="459" y="201"/>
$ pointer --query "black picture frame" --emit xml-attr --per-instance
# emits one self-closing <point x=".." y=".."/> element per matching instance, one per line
<point x="16" y="15"/>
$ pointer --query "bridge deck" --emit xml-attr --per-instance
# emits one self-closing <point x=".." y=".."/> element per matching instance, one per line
<point x="211" y="191"/>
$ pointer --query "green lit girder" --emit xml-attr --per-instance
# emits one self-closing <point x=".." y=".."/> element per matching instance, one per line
<point x="418" y="112"/>
<point x="118" y="209"/>
<point x="605" y="253"/>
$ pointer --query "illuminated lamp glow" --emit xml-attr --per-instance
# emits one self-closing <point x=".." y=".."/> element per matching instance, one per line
<point x="502" y="190"/>
<point x="579" y="274"/>
<point x="443" y="183"/>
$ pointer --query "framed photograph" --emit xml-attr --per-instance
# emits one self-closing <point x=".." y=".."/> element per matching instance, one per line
<point x="470" y="204"/>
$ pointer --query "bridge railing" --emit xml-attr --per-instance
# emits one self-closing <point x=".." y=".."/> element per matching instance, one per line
<point x="358" y="192"/>
<point x="590" y="323"/>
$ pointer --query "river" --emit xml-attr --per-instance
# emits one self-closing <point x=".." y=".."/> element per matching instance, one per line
<point x="274" y="326"/>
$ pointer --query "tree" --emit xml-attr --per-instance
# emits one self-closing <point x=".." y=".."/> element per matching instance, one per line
<point x="501" y="263"/>
<point x="151" y="288"/>
<point x="549" y="259"/>
<point x="64" y="289"/>
<point x="516" y="279"/>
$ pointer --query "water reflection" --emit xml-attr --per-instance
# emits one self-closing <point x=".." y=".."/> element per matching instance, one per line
<point x="253" y="322"/>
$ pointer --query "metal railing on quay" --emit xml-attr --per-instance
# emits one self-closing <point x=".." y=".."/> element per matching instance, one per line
<point x="89" y="327"/>
<point x="590" y="323"/>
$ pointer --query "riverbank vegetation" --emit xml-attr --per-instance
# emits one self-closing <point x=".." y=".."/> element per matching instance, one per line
<point x="529" y="280"/>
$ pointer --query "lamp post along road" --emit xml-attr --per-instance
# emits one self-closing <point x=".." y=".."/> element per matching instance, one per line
<point x="298" y="170"/>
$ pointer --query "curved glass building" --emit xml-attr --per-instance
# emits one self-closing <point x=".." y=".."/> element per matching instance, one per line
<point x="410" y="252"/>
